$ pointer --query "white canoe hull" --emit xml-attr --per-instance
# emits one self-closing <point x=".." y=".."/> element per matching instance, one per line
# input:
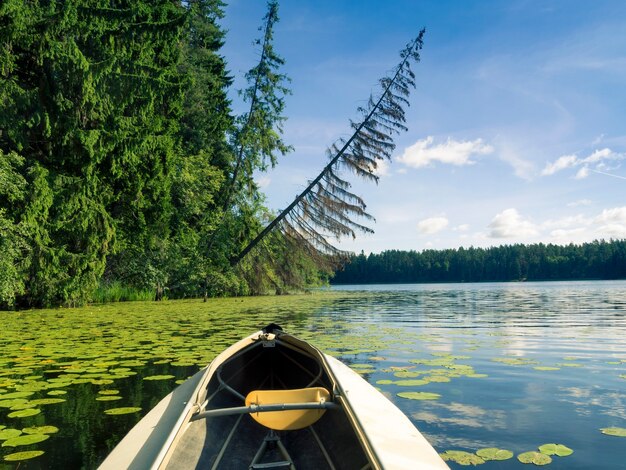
<point x="387" y="437"/>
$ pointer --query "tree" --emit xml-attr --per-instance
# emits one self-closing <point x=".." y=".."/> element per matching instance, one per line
<point x="327" y="207"/>
<point x="90" y="96"/>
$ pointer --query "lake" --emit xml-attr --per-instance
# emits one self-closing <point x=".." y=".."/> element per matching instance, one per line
<point x="507" y="365"/>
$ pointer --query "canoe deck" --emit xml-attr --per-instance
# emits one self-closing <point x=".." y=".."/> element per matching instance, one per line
<point x="232" y="442"/>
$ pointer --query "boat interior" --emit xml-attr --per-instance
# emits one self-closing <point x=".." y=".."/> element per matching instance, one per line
<point x="271" y="405"/>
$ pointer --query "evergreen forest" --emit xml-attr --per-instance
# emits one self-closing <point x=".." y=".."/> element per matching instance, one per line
<point x="536" y="262"/>
<point x="122" y="165"/>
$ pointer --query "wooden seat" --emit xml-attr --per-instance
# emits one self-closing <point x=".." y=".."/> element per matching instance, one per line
<point x="288" y="420"/>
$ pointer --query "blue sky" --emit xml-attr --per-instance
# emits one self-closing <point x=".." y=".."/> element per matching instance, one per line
<point x="516" y="128"/>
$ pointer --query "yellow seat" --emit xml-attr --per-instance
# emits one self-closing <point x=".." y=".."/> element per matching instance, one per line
<point x="288" y="420"/>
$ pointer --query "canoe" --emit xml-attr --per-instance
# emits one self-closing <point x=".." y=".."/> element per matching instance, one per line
<point x="272" y="400"/>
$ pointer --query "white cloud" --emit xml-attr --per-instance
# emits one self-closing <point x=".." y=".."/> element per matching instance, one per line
<point x="612" y="231"/>
<point x="452" y="152"/>
<point x="461" y="228"/>
<point x="599" y="158"/>
<point x="432" y="225"/>
<point x="566" y="161"/>
<point x="600" y="155"/>
<point x="510" y="224"/>
<point x="616" y="215"/>
<point x="582" y="173"/>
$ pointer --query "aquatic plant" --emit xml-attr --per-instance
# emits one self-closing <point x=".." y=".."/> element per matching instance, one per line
<point x="19" y="456"/>
<point x="493" y="453"/>
<point x="461" y="457"/>
<point x="555" y="449"/>
<point x="536" y="458"/>
<point x="122" y="411"/>
<point x="615" y="431"/>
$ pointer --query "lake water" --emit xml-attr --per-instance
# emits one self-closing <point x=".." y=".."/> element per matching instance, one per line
<point x="511" y="365"/>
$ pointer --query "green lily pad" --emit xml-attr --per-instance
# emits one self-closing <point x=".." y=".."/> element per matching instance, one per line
<point x="108" y="398"/>
<point x="12" y="395"/>
<point x="419" y="395"/>
<point x="384" y="382"/>
<point x="108" y="392"/>
<point x="47" y="401"/>
<point x="536" y="458"/>
<point x="159" y="377"/>
<point x="493" y="453"/>
<point x="25" y="440"/>
<point x="41" y="430"/>
<point x="57" y="392"/>
<point x="619" y="432"/>
<point x="9" y="434"/>
<point x="11" y="403"/>
<point x="122" y="411"/>
<point x="556" y="449"/>
<point x="24" y="413"/>
<point x="22" y="406"/>
<point x="19" y="456"/>
<point x="461" y="457"/>
<point x="410" y="382"/>
<point x="546" y="368"/>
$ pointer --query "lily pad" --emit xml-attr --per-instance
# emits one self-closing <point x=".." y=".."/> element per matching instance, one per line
<point x="384" y="382"/>
<point x="556" y="449"/>
<point x="159" y="377"/>
<point x="407" y="374"/>
<point x="47" y="401"/>
<point x="536" y="458"/>
<point x="57" y="392"/>
<point x="619" y="432"/>
<point x="122" y="411"/>
<point x="419" y="395"/>
<point x="108" y="398"/>
<point x="9" y="434"/>
<point x="18" y="456"/>
<point x="461" y="457"/>
<point x="12" y="395"/>
<point x="41" y="430"/>
<point x="493" y="453"/>
<point x="546" y="368"/>
<point x="108" y="392"/>
<point x="24" y="413"/>
<point x="25" y="440"/>
<point x="410" y="382"/>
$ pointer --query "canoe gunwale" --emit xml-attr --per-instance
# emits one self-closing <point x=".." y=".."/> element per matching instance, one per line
<point x="153" y="441"/>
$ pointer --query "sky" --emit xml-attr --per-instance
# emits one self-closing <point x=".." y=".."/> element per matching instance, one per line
<point x="517" y="125"/>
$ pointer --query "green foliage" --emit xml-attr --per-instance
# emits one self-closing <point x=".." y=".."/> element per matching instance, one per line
<point x="615" y="431"/>
<point x="118" y="292"/>
<point x="596" y="260"/>
<point x="123" y="173"/>
<point x="493" y="453"/>
<point x="461" y="457"/>
<point x="535" y="458"/>
<point x="14" y="246"/>
<point x="555" y="449"/>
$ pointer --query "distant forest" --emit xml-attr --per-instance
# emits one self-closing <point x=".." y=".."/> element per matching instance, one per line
<point x="537" y="262"/>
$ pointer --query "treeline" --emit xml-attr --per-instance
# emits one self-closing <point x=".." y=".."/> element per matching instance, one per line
<point x="596" y="260"/>
<point x="121" y="160"/>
